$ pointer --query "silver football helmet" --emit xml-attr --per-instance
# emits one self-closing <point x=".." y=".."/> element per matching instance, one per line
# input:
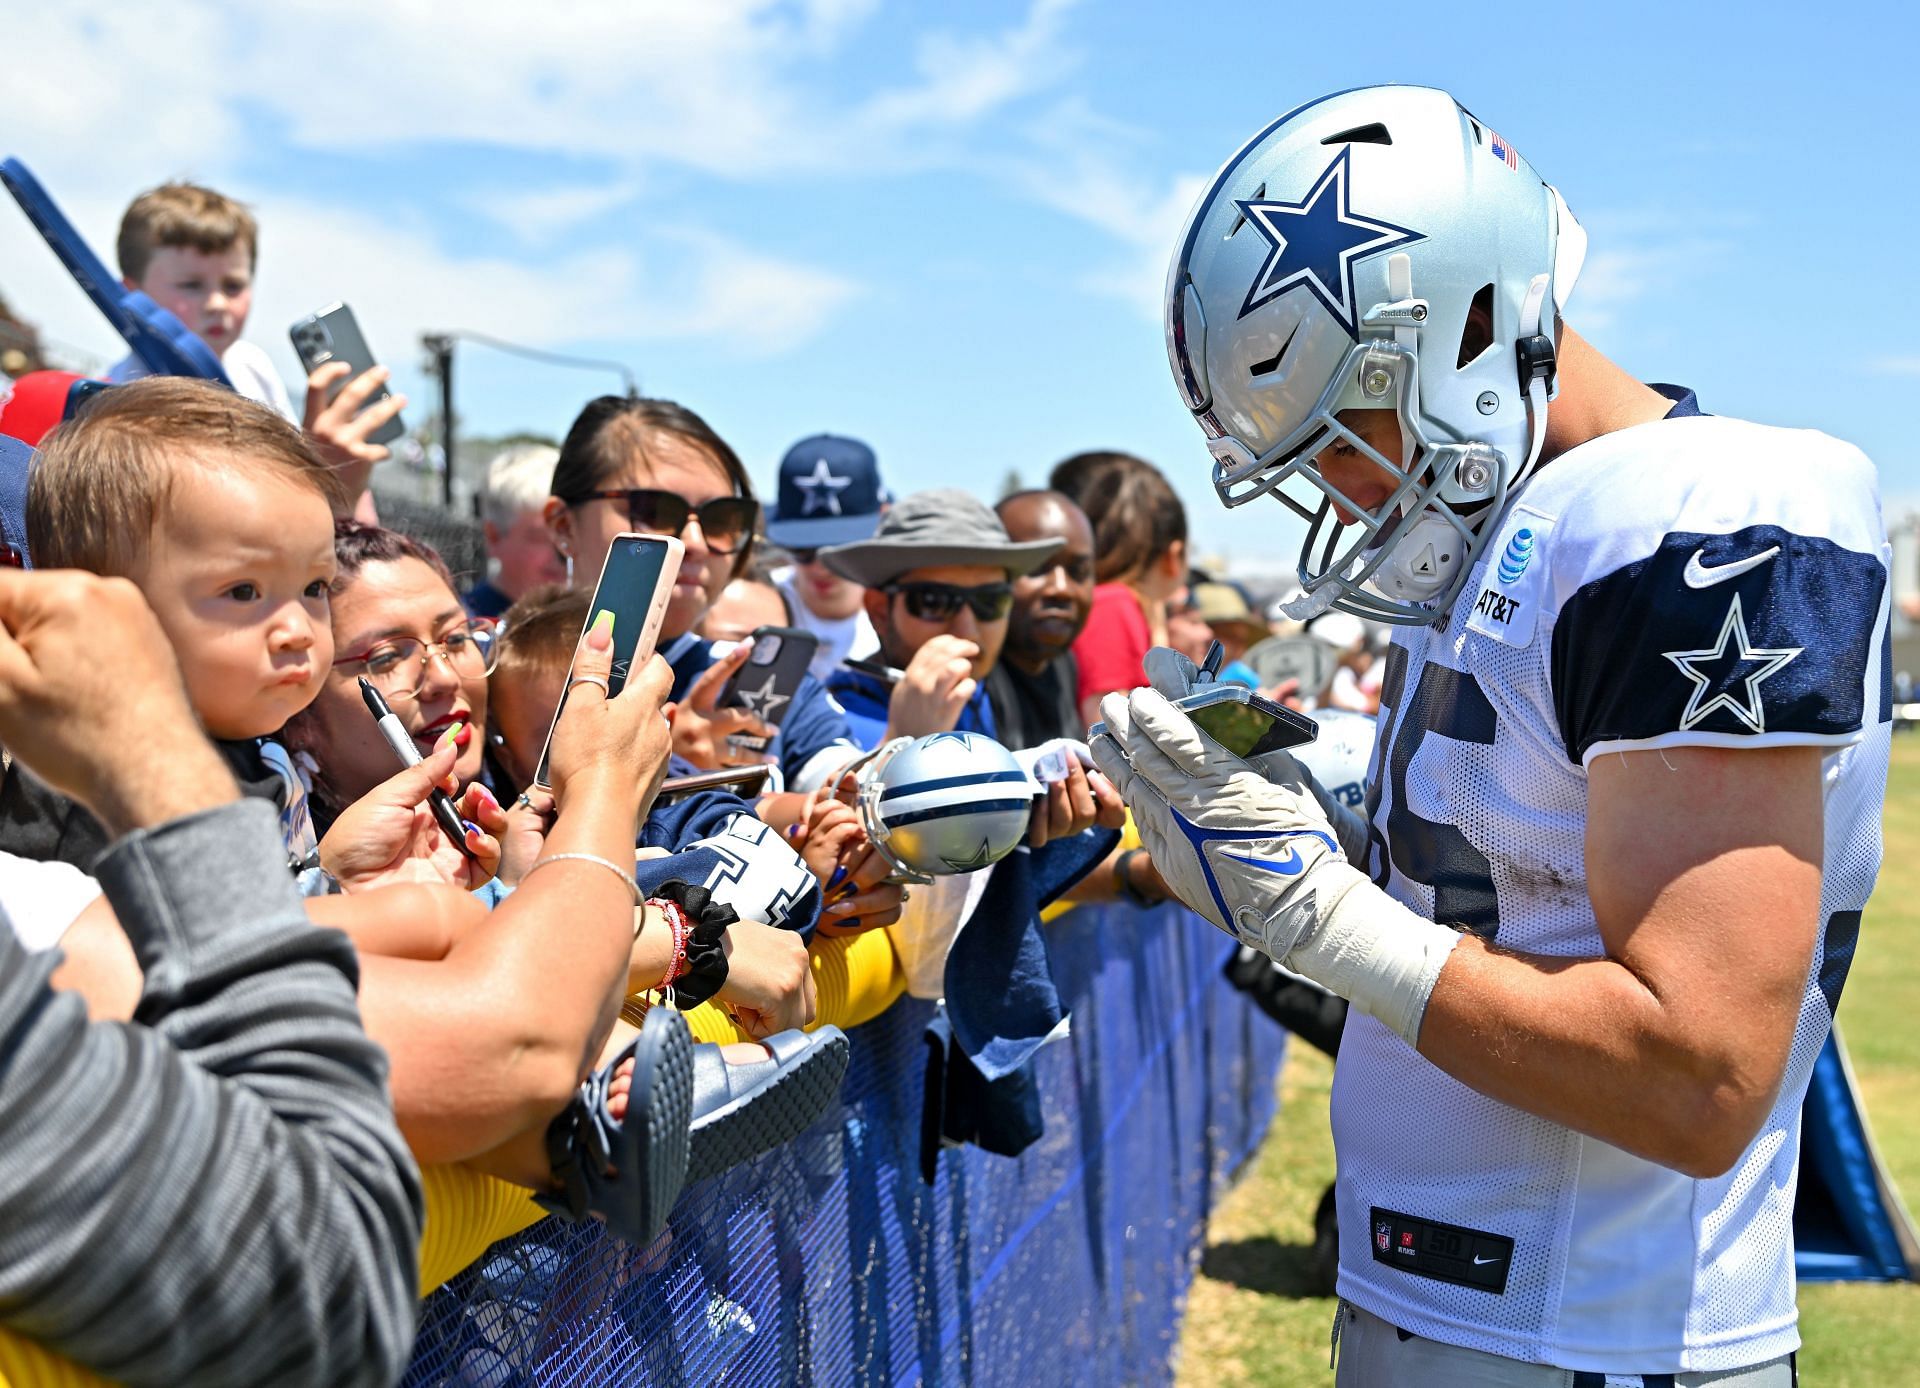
<point x="945" y="804"/>
<point x="1349" y="258"/>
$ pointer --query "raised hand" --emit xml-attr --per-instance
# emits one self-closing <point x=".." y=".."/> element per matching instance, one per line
<point x="933" y="690"/>
<point x="702" y="733"/>
<point x="338" y="428"/>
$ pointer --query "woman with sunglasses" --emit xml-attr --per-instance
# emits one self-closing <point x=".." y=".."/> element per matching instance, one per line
<point x="657" y="467"/>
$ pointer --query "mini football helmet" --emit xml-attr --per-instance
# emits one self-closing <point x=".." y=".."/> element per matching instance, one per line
<point x="946" y="804"/>
<point x="1377" y="249"/>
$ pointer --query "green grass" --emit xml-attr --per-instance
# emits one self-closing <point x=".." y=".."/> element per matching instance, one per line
<point x="1251" y="1322"/>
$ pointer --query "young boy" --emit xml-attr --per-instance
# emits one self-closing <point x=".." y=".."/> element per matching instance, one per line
<point x="193" y="251"/>
<point x="217" y="509"/>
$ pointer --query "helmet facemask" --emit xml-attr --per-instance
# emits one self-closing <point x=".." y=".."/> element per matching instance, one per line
<point x="1396" y="561"/>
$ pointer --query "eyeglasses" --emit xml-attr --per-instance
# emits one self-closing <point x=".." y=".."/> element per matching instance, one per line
<point x="940" y="602"/>
<point x="726" y="522"/>
<point x="398" y="666"/>
<point x="803" y="556"/>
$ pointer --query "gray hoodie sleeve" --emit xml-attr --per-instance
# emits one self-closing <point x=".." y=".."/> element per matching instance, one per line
<point x="217" y="1192"/>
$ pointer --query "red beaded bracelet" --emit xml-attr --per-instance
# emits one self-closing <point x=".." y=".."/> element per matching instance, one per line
<point x="682" y="928"/>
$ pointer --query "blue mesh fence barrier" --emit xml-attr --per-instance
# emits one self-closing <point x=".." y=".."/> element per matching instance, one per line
<point x="830" y="1262"/>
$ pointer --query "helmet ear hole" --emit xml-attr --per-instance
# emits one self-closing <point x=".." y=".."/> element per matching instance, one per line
<point x="1476" y="337"/>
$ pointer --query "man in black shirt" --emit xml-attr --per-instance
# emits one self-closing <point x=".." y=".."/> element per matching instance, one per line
<point x="1032" y="688"/>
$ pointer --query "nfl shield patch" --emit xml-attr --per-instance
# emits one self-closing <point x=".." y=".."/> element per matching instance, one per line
<point x="1383" y="1235"/>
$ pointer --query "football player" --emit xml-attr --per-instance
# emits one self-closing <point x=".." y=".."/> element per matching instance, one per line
<point x="1623" y="813"/>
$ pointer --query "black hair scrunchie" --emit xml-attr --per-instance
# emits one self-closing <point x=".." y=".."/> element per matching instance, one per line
<point x="706" y="957"/>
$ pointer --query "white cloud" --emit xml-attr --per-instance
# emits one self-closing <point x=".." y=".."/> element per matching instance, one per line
<point x="1895" y="366"/>
<point x="113" y="97"/>
<point x="1628" y="270"/>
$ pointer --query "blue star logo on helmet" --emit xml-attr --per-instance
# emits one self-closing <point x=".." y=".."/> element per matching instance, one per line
<point x="1315" y="243"/>
<point x="1516" y="556"/>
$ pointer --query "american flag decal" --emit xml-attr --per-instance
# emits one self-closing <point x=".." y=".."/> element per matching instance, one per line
<point x="1503" y="151"/>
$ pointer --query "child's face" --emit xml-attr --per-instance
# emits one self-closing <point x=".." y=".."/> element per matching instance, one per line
<point x="237" y="573"/>
<point x="523" y="703"/>
<point x="210" y="292"/>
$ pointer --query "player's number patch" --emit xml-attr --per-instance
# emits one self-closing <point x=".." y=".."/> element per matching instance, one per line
<point x="1451" y="704"/>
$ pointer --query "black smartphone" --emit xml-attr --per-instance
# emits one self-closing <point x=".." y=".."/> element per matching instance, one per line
<point x="1246" y="723"/>
<point x="744" y="781"/>
<point x="766" y="684"/>
<point x="636" y="583"/>
<point x="333" y="334"/>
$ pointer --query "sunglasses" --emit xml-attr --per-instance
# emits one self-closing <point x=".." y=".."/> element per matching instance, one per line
<point x="940" y="602"/>
<point x="726" y="522"/>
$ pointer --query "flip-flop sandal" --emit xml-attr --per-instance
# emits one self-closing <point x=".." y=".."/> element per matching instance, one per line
<point x="628" y="1172"/>
<point x="741" y="1111"/>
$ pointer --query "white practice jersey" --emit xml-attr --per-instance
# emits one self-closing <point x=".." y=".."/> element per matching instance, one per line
<point x="1690" y="582"/>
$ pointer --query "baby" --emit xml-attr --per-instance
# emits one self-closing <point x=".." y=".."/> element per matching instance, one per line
<point x="217" y="509"/>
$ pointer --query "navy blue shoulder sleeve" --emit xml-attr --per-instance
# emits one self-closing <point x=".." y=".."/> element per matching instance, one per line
<point x="1761" y="633"/>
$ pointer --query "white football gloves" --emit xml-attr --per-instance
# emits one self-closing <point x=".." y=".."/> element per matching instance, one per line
<point x="1174" y="676"/>
<point x="1257" y="855"/>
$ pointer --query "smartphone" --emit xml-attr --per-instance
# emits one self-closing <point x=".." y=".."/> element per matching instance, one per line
<point x="636" y="583"/>
<point x="1246" y="723"/>
<point x="766" y="684"/>
<point x="744" y="781"/>
<point x="333" y="334"/>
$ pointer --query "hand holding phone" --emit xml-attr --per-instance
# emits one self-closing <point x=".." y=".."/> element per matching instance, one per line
<point x="1245" y="723"/>
<point x="635" y="585"/>
<point x="333" y="336"/>
<point x="766" y="684"/>
<point x="610" y="751"/>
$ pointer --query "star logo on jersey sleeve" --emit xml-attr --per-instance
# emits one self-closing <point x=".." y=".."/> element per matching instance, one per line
<point x="1734" y="667"/>
<point x="822" y="489"/>
<point x="1315" y="243"/>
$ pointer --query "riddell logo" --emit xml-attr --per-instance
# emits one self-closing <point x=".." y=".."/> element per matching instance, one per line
<point x="1496" y="607"/>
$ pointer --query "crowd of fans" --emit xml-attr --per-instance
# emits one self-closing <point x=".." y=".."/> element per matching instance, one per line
<point x="283" y="1054"/>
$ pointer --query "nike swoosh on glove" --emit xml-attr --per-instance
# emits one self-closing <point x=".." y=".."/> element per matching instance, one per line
<point x="1173" y="675"/>
<point x="1238" y="848"/>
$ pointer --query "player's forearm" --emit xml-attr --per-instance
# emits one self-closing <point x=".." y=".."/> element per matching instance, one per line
<point x="1585" y="1043"/>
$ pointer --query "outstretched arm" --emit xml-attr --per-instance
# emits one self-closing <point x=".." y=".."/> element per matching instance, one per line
<point x="1704" y="869"/>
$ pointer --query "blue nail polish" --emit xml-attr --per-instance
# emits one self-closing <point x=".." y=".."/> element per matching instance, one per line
<point x="839" y="876"/>
<point x="472" y="828"/>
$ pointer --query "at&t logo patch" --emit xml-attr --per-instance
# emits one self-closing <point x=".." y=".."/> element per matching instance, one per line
<point x="1506" y="603"/>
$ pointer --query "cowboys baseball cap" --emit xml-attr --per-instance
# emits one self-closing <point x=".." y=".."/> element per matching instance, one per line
<point x="830" y="493"/>
<point x="932" y="529"/>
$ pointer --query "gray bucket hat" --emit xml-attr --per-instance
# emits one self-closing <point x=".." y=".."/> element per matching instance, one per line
<point x="929" y="529"/>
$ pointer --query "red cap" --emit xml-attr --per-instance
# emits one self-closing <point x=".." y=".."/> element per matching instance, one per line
<point x="38" y="402"/>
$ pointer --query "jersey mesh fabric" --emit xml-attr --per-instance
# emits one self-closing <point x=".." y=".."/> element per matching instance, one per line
<point x="1478" y="810"/>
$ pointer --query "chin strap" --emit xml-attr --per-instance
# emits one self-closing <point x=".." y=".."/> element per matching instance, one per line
<point x="1537" y="369"/>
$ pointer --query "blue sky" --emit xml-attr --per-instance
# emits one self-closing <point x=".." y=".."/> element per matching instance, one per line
<point x="944" y="229"/>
